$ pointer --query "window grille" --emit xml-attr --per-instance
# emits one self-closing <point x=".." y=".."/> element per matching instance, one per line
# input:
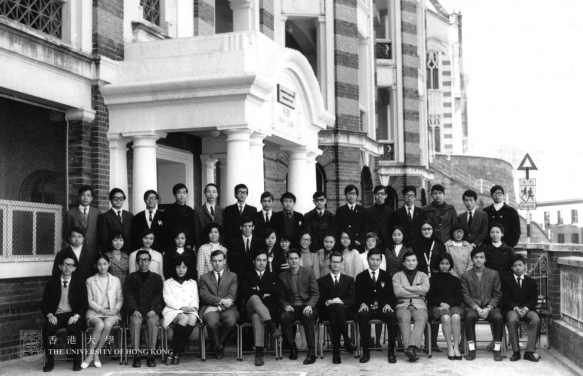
<point x="151" y="11"/>
<point x="575" y="238"/>
<point x="42" y="15"/>
<point x="433" y="70"/>
<point x="574" y="216"/>
<point x="383" y="50"/>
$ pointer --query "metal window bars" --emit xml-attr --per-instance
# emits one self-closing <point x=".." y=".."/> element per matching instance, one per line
<point x="42" y="15"/>
<point x="151" y="11"/>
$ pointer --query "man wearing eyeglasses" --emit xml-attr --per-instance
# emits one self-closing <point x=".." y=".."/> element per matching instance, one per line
<point x="500" y="212"/>
<point x="380" y="216"/>
<point x="113" y="221"/>
<point x="410" y="216"/>
<point x="151" y="218"/>
<point x="319" y="221"/>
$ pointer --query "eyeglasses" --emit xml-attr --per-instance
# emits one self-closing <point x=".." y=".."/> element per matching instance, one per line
<point x="242" y="193"/>
<point x="380" y="194"/>
<point x="319" y="199"/>
<point x="68" y="266"/>
<point x="118" y="198"/>
<point x="498" y="193"/>
<point x="409" y="196"/>
<point x="151" y="198"/>
<point x="144" y="260"/>
<point x="427" y="229"/>
<point x="352" y="194"/>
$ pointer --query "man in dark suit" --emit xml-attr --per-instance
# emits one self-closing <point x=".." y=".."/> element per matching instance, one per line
<point x="505" y="214"/>
<point x="207" y="213"/>
<point x="64" y="305"/>
<point x="84" y="258"/>
<point x="319" y="221"/>
<point x="261" y="289"/>
<point x="85" y="217"/>
<point x="288" y="221"/>
<point x="243" y="248"/>
<point x="375" y="300"/>
<point x="409" y="216"/>
<point x="474" y="221"/>
<point x="178" y="215"/>
<point x="115" y="220"/>
<point x="519" y="299"/>
<point x="353" y="217"/>
<point x="233" y="213"/>
<point x="262" y="219"/>
<point x="218" y="292"/>
<point x="482" y="294"/>
<point x="151" y="218"/>
<point x="336" y="304"/>
<point x="298" y="299"/>
<point x="380" y="216"/>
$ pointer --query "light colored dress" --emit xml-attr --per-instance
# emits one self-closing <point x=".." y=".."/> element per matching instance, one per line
<point x="178" y="295"/>
<point x="352" y="263"/>
<point x="461" y="255"/>
<point x="313" y="261"/>
<point x="203" y="264"/>
<point x="103" y="296"/>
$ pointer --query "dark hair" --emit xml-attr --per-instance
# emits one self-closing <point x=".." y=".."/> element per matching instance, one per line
<point x="409" y="188"/>
<point x="438" y="187"/>
<point x="305" y="232"/>
<point x="477" y="250"/>
<point x="178" y="187"/>
<point x="78" y="230"/>
<point x="146" y="231"/>
<point x="149" y="192"/>
<point x="267" y="233"/>
<point x="349" y="189"/>
<point x="350" y="234"/>
<point x="117" y="235"/>
<point x="179" y="230"/>
<point x="433" y="234"/>
<point x="445" y="256"/>
<point x="114" y="191"/>
<point x="210" y="185"/>
<point x="239" y="186"/>
<point x="496" y="224"/>
<point x="287" y="195"/>
<point x="267" y="194"/>
<point x="141" y="252"/>
<point x="336" y="254"/>
<point x="260" y="251"/>
<point x="372" y="235"/>
<point x="496" y="188"/>
<point x="293" y="250"/>
<point x="209" y="227"/>
<point x="245" y="219"/>
<point x="518" y="257"/>
<point x="102" y="256"/>
<point x="400" y="228"/>
<point x="178" y="260"/>
<point x="470" y="193"/>
<point x="283" y="236"/>
<point x="216" y="253"/>
<point x="455" y="227"/>
<point x="408" y="254"/>
<point x="378" y="188"/>
<point x="318" y="194"/>
<point x="85" y="188"/>
<point x="70" y="256"/>
<point x="374" y="251"/>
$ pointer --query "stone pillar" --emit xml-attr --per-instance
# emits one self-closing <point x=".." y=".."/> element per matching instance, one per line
<point x="312" y="184"/>
<point x="256" y="174"/>
<point x="222" y="158"/>
<point x="238" y="162"/>
<point x="79" y="150"/>
<point x="243" y="15"/>
<point x="118" y="164"/>
<point x="145" y="169"/>
<point x="322" y="62"/>
<point x="208" y="171"/>
<point x="296" y="177"/>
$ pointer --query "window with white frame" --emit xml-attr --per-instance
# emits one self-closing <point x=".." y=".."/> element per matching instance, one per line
<point x="151" y="11"/>
<point x="385" y="127"/>
<point x="432" y="70"/>
<point x="382" y="25"/>
<point x="574" y="216"/>
<point x="42" y="15"/>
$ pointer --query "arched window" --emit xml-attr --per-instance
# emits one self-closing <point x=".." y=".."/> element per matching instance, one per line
<point x="432" y="70"/>
<point x="321" y="179"/>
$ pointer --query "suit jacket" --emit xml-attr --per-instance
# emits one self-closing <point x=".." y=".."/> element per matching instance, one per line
<point x="240" y="261"/>
<point x="95" y="295"/>
<point x="143" y="296"/>
<point x="512" y="296"/>
<point x="412" y="231"/>
<point x="510" y="219"/>
<point x="356" y="221"/>
<point x="442" y="220"/>
<point x="319" y="226"/>
<point x="382" y="291"/>
<point x="86" y="264"/>
<point x="380" y="221"/>
<point x="259" y="223"/>
<point x="178" y="216"/>
<point x="479" y="231"/>
<point x="108" y="224"/>
<point x="482" y="292"/>
<point x="77" y="296"/>
<point x="269" y="284"/>
<point x="202" y="217"/>
<point x="211" y="293"/>
<point x="140" y="223"/>
<point x="278" y="224"/>
<point x="309" y="291"/>
<point x="74" y="220"/>
<point x="232" y="219"/>
<point x="345" y="290"/>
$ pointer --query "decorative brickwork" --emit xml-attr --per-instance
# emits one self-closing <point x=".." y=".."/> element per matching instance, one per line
<point x="79" y="157"/>
<point x="100" y="151"/>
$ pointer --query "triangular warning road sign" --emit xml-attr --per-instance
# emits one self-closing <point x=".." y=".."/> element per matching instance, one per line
<point x="527" y="163"/>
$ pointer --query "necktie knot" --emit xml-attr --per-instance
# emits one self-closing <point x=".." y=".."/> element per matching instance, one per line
<point x="266" y="217"/>
<point x="212" y="211"/>
<point x="85" y="211"/>
<point x="65" y="284"/>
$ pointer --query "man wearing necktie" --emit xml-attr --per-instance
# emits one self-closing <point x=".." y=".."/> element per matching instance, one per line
<point x="353" y="217"/>
<point x="473" y="220"/>
<point x="319" y="221"/>
<point x="115" y="220"/>
<point x="152" y="218"/>
<point x="207" y="213"/>
<point x="409" y="216"/>
<point x="288" y="220"/>
<point x="243" y="247"/>
<point x="262" y="219"/>
<point x="85" y="217"/>
<point x="233" y="213"/>
<point x="336" y="304"/>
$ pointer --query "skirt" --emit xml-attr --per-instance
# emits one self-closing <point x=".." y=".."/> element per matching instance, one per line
<point x="438" y="312"/>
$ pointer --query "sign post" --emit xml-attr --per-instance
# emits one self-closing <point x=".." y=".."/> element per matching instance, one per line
<point x="527" y="189"/>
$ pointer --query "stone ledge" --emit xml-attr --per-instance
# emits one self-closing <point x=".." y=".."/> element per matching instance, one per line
<point x="571" y="261"/>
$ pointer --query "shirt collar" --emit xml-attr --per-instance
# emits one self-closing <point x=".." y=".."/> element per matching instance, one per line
<point x="219" y="273"/>
<point x="241" y="205"/>
<point x="63" y="280"/>
<point x="259" y="273"/>
<point x="376" y="272"/>
<point x="245" y="238"/>
<point x="152" y="210"/>
<point x="517" y="277"/>
<point x="208" y="206"/>
<point x="81" y="208"/>
<point x="266" y="212"/>
<point x="473" y="211"/>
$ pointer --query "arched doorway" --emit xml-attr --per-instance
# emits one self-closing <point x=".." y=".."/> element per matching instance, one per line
<point x="391" y="200"/>
<point x="366" y="187"/>
<point x="321" y="179"/>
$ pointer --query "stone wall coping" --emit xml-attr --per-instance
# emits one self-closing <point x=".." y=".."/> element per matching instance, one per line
<point x="552" y="247"/>
<point x="571" y="261"/>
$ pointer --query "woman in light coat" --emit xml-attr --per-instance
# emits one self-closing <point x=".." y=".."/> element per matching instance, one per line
<point x="105" y="301"/>
<point x="459" y="250"/>
<point x="181" y="298"/>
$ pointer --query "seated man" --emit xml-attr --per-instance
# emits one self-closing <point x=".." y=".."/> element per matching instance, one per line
<point x="218" y="292"/>
<point x="376" y="301"/>
<point x="336" y="304"/>
<point x="298" y="299"/>
<point x="144" y="300"/>
<point x="519" y="298"/>
<point x="64" y="305"/>
<point x="261" y="289"/>
<point x="482" y="294"/>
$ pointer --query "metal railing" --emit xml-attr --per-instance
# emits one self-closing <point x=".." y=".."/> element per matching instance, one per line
<point x="462" y="176"/>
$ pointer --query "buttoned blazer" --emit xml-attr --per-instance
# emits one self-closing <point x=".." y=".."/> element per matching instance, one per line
<point x="232" y="219"/>
<point x="381" y="224"/>
<point x="269" y="284"/>
<point x="483" y="291"/>
<point x="77" y="296"/>
<point x="416" y="298"/>
<point x="259" y="225"/>
<point x="85" y="263"/>
<point x="211" y="293"/>
<point x="509" y="218"/>
<point x="109" y="224"/>
<point x="143" y="296"/>
<point x="356" y="221"/>
<point x="479" y="231"/>
<point x="382" y="291"/>
<point x="202" y="217"/>
<point x="319" y="226"/>
<point x="512" y="296"/>
<point x="140" y="223"/>
<point x="413" y="231"/>
<point x="74" y="220"/>
<point x="278" y="224"/>
<point x="308" y="284"/>
<point x="176" y="296"/>
<point x="345" y="290"/>
<point x="95" y="295"/>
<point x="240" y="261"/>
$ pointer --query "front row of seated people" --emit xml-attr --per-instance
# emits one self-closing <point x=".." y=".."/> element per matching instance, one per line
<point x="73" y="303"/>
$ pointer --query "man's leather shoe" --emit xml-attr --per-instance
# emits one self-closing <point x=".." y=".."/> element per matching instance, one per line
<point x="471" y="355"/>
<point x="219" y="352"/>
<point x="77" y="365"/>
<point x="293" y="352"/>
<point x="259" y="360"/>
<point x="310" y="359"/>
<point x="410" y="353"/>
<point x="515" y="356"/>
<point x="392" y="358"/>
<point x="530" y="356"/>
<point x="336" y="358"/>
<point x="150" y="362"/>
<point x="498" y="355"/>
<point x="365" y="357"/>
<point x="176" y="359"/>
<point x="49" y="366"/>
<point x="137" y="362"/>
<point x="350" y="347"/>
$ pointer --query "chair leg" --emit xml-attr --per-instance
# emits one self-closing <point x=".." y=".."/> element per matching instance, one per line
<point x="202" y="343"/>
<point x="429" y="355"/>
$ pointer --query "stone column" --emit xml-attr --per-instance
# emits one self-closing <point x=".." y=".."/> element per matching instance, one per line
<point x="296" y="177"/>
<point x="209" y="165"/>
<point x="243" y="15"/>
<point x="238" y="162"/>
<point x="320" y="23"/>
<point x="145" y="168"/>
<point x="79" y="150"/>
<point x="222" y="158"/>
<point x="256" y="174"/>
<point x="312" y="184"/>
<point x="118" y="164"/>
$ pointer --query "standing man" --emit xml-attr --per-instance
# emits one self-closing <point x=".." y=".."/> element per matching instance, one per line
<point x="179" y="215"/>
<point x="153" y="219"/>
<point x="353" y="217"/>
<point x="505" y="214"/>
<point x="115" y="220"/>
<point x="262" y="219"/>
<point x="319" y="221"/>
<point x="298" y="300"/>
<point x="441" y="215"/>
<point x="380" y="216"/>
<point x="375" y="300"/>
<point x="337" y="301"/>
<point x="233" y="213"/>
<point x="261" y="289"/>
<point x="409" y="216"/>
<point x="84" y="258"/>
<point x="474" y="221"/>
<point x="207" y="213"/>
<point x="243" y="248"/>
<point x="85" y="217"/>
<point x="218" y="292"/>
<point x="288" y="221"/>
